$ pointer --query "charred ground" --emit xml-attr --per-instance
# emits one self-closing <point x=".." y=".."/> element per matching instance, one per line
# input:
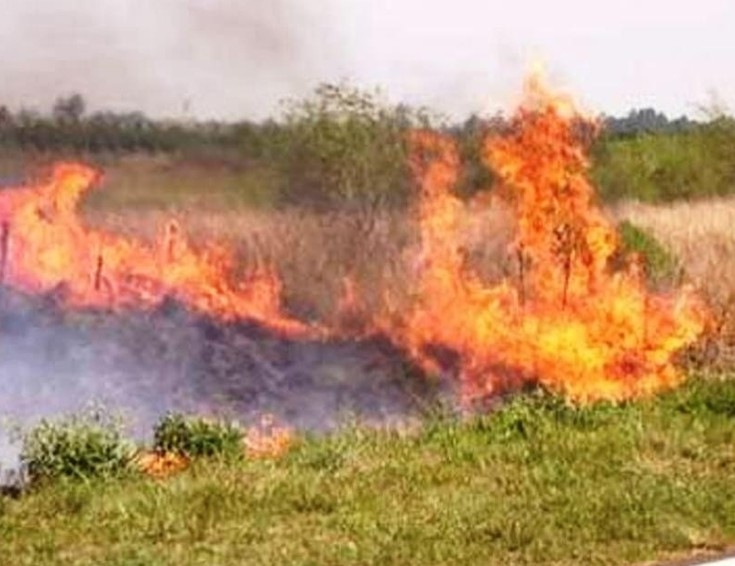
<point x="145" y="363"/>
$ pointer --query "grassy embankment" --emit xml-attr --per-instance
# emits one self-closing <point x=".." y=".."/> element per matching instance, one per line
<point x="535" y="483"/>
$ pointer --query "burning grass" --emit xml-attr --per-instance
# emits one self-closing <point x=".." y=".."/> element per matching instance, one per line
<point x="700" y="234"/>
<point x="568" y="321"/>
<point x="537" y="482"/>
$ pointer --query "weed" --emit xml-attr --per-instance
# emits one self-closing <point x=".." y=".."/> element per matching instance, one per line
<point x="80" y="446"/>
<point x="661" y="265"/>
<point x="194" y="437"/>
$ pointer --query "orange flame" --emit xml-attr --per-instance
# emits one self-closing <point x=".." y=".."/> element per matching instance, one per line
<point x="268" y="440"/>
<point x="161" y="465"/>
<point x="568" y="321"/>
<point x="46" y="247"/>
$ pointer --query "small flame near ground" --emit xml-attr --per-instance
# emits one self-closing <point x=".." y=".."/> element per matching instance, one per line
<point x="568" y="321"/>
<point x="265" y="440"/>
<point x="268" y="439"/>
<point x="161" y="465"/>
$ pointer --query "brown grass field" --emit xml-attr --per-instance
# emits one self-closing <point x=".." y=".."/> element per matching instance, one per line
<point x="701" y="235"/>
<point x="313" y="253"/>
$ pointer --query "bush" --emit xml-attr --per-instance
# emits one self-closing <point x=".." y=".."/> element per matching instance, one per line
<point x="82" y="446"/>
<point x="346" y="145"/>
<point x="194" y="437"/>
<point x="661" y="265"/>
<point x="665" y="167"/>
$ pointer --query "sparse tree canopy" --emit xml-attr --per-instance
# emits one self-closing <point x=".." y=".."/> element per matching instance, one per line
<point x="69" y="109"/>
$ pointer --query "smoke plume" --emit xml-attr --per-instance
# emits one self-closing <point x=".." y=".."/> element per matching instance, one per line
<point x="209" y="58"/>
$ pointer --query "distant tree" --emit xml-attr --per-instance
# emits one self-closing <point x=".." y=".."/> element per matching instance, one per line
<point x="69" y="109"/>
<point x="471" y="136"/>
<point x="646" y="121"/>
<point x="6" y="117"/>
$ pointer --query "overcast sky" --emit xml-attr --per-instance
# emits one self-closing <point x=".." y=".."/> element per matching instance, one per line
<point x="238" y="58"/>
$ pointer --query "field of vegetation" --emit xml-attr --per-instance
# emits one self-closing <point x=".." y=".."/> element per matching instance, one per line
<point x="321" y="195"/>
<point x="536" y="482"/>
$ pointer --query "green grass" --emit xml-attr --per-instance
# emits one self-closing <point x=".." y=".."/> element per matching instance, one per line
<point x="163" y="182"/>
<point x="169" y="184"/>
<point x="660" y="264"/>
<point x="535" y="483"/>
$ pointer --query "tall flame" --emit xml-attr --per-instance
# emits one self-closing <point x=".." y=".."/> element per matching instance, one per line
<point x="567" y="321"/>
<point x="45" y="247"/>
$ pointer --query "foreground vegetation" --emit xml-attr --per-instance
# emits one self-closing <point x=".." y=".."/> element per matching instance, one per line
<point x="535" y="482"/>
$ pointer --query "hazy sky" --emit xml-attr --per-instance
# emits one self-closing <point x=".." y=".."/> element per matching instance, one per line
<point x="237" y="58"/>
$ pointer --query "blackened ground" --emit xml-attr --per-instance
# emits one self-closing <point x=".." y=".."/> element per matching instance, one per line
<point x="144" y="364"/>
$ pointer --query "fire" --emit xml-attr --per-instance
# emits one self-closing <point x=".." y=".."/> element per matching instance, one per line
<point x="161" y="465"/>
<point x="267" y="439"/>
<point x="44" y="247"/>
<point x="568" y="321"/>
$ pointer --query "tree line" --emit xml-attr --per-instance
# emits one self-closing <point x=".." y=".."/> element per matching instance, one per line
<point x="348" y="144"/>
<point x="67" y="126"/>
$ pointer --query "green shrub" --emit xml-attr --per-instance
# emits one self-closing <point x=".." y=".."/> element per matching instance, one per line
<point x="702" y="395"/>
<point x="344" y="144"/>
<point x="195" y="437"/>
<point x="664" y="167"/>
<point x="80" y="446"/>
<point x="661" y="265"/>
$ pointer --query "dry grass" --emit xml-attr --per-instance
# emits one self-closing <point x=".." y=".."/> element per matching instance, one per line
<point x="701" y="235"/>
<point x="314" y="253"/>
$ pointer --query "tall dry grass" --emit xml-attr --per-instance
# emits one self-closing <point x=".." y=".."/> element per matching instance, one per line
<point x="701" y="235"/>
<point x="315" y="254"/>
<point x="316" y="249"/>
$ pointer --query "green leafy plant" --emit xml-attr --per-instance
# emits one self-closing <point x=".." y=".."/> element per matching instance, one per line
<point x="194" y="437"/>
<point x="664" y="167"/>
<point x="80" y="446"/>
<point x="661" y="265"/>
<point x="345" y="144"/>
